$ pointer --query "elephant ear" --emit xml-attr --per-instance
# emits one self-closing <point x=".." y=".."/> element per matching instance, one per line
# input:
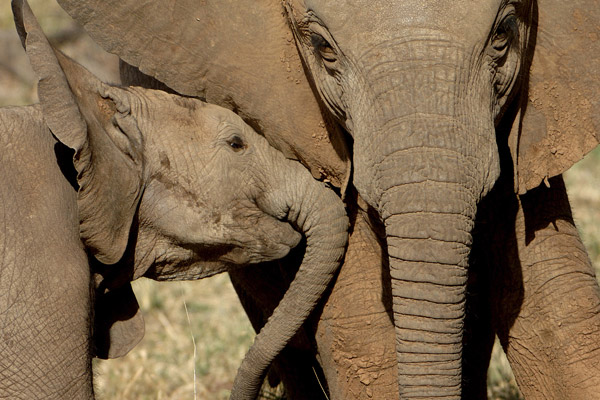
<point x="561" y="121"/>
<point x="118" y="322"/>
<point x="94" y="120"/>
<point x="239" y="54"/>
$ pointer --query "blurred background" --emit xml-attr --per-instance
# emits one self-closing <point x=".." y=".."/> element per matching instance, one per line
<point x="197" y="332"/>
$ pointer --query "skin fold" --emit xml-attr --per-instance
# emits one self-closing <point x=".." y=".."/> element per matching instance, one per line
<point x="450" y="113"/>
<point x="144" y="183"/>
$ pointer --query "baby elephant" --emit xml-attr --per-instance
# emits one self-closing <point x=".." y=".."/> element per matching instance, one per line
<point x="135" y="182"/>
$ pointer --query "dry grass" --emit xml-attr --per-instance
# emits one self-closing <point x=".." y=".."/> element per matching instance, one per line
<point x="583" y="184"/>
<point x="162" y="366"/>
<point x="166" y="365"/>
<point x="52" y="18"/>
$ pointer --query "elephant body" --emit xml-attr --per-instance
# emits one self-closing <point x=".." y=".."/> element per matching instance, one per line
<point x="106" y="184"/>
<point x="453" y="116"/>
<point x="45" y="351"/>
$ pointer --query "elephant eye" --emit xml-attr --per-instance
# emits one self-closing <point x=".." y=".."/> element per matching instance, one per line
<point x="507" y="31"/>
<point x="323" y="47"/>
<point x="236" y="143"/>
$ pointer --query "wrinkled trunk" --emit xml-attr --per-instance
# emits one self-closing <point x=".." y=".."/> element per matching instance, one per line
<point x="428" y="249"/>
<point x="423" y="150"/>
<point x="428" y="211"/>
<point x="319" y="214"/>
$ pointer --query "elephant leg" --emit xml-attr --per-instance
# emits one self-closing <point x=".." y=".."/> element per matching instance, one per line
<point x="355" y="333"/>
<point x="548" y="317"/>
<point x="45" y="294"/>
<point x="44" y="331"/>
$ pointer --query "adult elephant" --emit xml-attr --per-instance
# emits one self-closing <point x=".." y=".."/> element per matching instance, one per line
<point x="441" y="102"/>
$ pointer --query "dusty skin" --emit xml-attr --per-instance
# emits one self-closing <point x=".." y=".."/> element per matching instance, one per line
<point x="131" y="182"/>
<point x="454" y="115"/>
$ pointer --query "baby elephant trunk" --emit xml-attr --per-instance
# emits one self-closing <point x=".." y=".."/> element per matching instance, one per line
<point x="319" y="214"/>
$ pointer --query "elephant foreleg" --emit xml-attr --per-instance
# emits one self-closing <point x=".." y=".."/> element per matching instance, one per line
<point x="355" y="334"/>
<point x="549" y="301"/>
<point x="478" y="339"/>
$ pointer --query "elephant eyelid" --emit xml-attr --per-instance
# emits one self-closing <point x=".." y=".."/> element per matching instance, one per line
<point x="320" y="40"/>
<point x="323" y="47"/>
<point x="236" y="143"/>
<point x="507" y="31"/>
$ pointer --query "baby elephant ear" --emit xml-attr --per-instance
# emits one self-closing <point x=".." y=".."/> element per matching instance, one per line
<point x="118" y="322"/>
<point x="94" y="120"/>
<point x="561" y="122"/>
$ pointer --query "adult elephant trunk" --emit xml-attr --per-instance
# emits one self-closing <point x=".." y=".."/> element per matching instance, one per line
<point x="319" y="214"/>
<point x="428" y="223"/>
<point x="425" y="154"/>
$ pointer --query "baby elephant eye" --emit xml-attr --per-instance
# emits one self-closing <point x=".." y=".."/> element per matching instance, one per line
<point x="236" y="143"/>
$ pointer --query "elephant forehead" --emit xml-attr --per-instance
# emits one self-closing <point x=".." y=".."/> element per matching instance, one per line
<point x="171" y="116"/>
<point x="215" y="116"/>
<point x="469" y="20"/>
<point x="207" y="119"/>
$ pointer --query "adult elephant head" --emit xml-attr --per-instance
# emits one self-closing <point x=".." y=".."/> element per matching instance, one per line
<point x="428" y="93"/>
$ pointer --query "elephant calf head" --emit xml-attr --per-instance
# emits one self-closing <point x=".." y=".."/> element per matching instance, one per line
<point x="196" y="182"/>
<point x="174" y="188"/>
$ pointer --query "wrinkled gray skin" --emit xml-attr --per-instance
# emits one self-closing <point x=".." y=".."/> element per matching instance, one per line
<point x="168" y="188"/>
<point x="422" y="96"/>
<point x="420" y="99"/>
<point x="444" y="100"/>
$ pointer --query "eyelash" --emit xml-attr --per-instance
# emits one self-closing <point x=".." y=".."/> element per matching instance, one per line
<point x="506" y="32"/>
<point x="325" y="50"/>
<point x="236" y="143"/>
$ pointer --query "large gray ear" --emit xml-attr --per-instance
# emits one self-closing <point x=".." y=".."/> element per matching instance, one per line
<point x="561" y="122"/>
<point x="239" y="54"/>
<point x="94" y="120"/>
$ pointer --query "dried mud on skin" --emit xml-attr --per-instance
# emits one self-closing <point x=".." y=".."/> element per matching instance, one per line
<point x="162" y="366"/>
